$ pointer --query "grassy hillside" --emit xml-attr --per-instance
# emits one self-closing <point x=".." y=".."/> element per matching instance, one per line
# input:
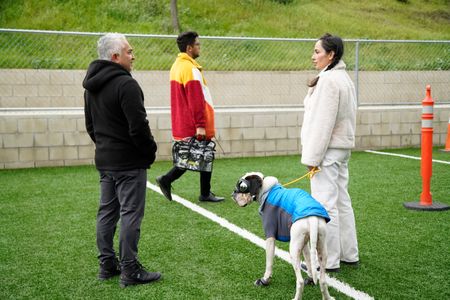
<point x="386" y="19"/>
<point x="389" y="19"/>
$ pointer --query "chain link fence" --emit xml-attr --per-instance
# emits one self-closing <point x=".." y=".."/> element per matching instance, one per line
<point x="240" y="71"/>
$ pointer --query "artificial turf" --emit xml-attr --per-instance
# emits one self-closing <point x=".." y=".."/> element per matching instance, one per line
<point x="48" y="251"/>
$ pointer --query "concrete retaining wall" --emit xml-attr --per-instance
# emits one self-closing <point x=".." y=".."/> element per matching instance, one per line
<point x="35" y="138"/>
<point x="62" y="88"/>
<point x="42" y="121"/>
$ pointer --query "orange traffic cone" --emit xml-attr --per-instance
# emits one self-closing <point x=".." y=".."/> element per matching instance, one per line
<point x="447" y="143"/>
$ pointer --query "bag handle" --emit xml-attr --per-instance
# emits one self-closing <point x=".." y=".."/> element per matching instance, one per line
<point x="203" y="142"/>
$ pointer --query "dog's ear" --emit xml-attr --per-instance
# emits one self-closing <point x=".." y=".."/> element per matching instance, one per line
<point x="255" y="184"/>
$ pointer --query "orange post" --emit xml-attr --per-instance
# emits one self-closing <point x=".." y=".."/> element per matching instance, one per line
<point x="427" y="148"/>
<point x="426" y="201"/>
<point x="447" y="143"/>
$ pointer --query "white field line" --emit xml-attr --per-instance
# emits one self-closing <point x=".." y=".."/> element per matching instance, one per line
<point x="406" y="156"/>
<point x="284" y="255"/>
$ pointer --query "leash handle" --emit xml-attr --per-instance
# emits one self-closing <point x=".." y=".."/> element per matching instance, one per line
<point x="309" y="174"/>
<point x="313" y="172"/>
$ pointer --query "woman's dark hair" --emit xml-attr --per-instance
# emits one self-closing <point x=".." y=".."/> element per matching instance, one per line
<point x="330" y="43"/>
<point x="186" y="39"/>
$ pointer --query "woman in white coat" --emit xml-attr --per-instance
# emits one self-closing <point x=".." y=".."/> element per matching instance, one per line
<point x="327" y="135"/>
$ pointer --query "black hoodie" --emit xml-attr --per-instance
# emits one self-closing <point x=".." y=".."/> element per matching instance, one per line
<point x="116" y="119"/>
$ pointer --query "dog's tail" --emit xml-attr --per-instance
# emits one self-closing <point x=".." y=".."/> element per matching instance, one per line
<point x="313" y="234"/>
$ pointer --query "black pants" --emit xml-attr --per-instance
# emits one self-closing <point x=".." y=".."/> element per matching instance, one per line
<point x="122" y="195"/>
<point x="205" y="179"/>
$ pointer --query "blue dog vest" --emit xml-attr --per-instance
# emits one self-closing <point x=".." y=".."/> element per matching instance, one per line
<point x="282" y="207"/>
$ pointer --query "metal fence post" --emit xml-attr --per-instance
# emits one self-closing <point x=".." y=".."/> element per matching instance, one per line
<point x="357" y="72"/>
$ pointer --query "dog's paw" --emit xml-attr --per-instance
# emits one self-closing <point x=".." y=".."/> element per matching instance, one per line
<point x="262" y="282"/>
<point x="309" y="281"/>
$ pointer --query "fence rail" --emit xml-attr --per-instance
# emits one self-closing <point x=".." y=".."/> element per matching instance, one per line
<point x="384" y="71"/>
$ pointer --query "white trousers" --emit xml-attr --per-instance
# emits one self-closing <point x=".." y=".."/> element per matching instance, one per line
<point x="329" y="187"/>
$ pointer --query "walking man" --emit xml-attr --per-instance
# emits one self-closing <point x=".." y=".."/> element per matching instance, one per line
<point x="116" y="121"/>
<point x="192" y="110"/>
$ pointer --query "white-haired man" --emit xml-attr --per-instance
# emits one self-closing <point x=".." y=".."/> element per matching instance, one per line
<point x="116" y="121"/>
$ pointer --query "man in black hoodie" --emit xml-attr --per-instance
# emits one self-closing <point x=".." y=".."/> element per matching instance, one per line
<point x="116" y="121"/>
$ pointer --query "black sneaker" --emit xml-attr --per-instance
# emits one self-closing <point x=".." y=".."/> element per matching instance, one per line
<point x="210" y="198"/>
<point x="108" y="269"/>
<point x="333" y="270"/>
<point x="354" y="264"/>
<point x="136" y="274"/>
<point x="165" y="187"/>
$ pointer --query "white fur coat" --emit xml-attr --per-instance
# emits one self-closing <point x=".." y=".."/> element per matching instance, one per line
<point x="330" y="115"/>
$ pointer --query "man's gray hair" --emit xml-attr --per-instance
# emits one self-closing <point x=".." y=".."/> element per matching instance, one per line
<point x="109" y="44"/>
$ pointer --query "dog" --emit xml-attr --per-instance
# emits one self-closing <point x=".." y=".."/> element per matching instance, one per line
<point x="288" y="215"/>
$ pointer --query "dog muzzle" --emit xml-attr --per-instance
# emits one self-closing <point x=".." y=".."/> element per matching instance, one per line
<point x="242" y="187"/>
